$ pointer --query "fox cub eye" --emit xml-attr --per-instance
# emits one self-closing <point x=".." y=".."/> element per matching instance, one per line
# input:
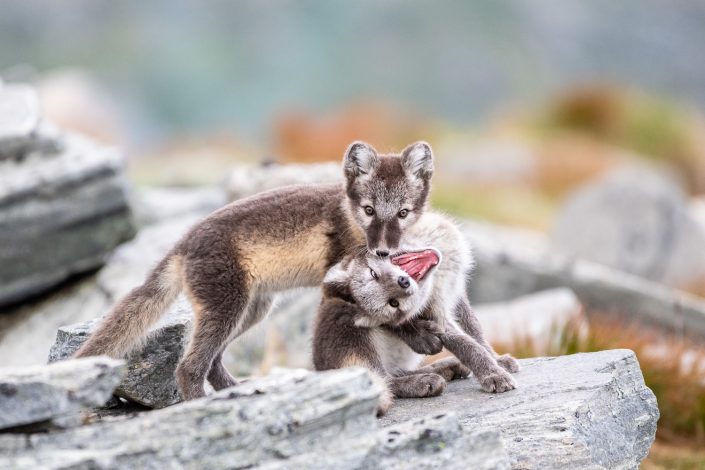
<point x="374" y="274"/>
<point x="369" y="210"/>
<point x="403" y="213"/>
<point x="394" y="303"/>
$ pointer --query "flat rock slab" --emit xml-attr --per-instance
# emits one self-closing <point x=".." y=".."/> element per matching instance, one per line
<point x="50" y="393"/>
<point x="291" y="419"/>
<point x="150" y="371"/>
<point x="581" y="411"/>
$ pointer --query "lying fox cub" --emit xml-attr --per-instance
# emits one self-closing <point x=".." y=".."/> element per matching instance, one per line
<point x="369" y="318"/>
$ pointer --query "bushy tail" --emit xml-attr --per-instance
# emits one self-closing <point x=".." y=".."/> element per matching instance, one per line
<point x="126" y="326"/>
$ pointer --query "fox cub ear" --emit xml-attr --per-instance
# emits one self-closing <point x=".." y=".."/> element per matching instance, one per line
<point x="360" y="159"/>
<point x="417" y="159"/>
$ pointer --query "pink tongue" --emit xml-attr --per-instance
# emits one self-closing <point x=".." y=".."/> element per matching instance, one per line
<point x="416" y="263"/>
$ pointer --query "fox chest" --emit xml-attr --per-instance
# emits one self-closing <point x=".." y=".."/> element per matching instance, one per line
<point x="393" y="353"/>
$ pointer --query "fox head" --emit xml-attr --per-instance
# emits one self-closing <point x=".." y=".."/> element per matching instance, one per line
<point x="386" y="293"/>
<point x="387" y="193"/>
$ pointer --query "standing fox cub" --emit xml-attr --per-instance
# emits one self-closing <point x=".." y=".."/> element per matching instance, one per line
<point x="232" y="263"/>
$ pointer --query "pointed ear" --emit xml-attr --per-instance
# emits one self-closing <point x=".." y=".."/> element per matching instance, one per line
<point x="360" y="159"/>
<point x="417" y="159"/>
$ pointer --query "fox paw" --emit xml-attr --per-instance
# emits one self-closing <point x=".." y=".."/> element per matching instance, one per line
<point x="508" y="363"/>
<point x="498" y="382"/>
<point x="425" y="339"/>
<point x="429" y="385"/>
<point x="459" y="370"/>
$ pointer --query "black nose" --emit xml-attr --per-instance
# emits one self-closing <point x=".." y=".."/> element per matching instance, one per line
<point x="403" y="282"/>
<point x="382" y="253"/>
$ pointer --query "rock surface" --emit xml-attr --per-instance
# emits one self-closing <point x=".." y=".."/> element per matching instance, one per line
<point x="580" y="411"/>
<point x="63" y="206"/>
<point x="56" y="392"/>
<point x="321" y="420"/>
<point x="149" y="380"/>
<point x="636" y="221"/>
<point x="248" y="180"/>
<point x="153" y="205"/>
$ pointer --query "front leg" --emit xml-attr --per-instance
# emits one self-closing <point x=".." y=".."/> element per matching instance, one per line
<point x="422" y="336"/>
<point x="491" y="376"/>
<point x="469" y="322"/>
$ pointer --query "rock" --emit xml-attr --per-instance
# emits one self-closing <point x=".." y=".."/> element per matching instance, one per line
<point x="508" y="271"/>
<point x="26" y="333"/>
<point x="19" y="119"/>
<point x="280" y="421"/>
<point x="149" y="380"/>
<point x="55" y="392"/>
<point x="248" y="180"/>
<point x="636" y="221"/>
<point x="62" y="210"/>
<point x="580" y="411"/>
<point x="153" y="205"/>
<point x="537" y="318"/>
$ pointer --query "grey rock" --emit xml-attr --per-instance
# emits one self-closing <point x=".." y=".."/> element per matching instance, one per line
<point x="51" y="393"/>
<point x="508" y="271"/>
<point x="151" y="205"/>
<point x="19" y="119"/>
<point x="581" y="411"/>
<point x="149" y="380"/>
<point x="26" y="333"/>
<point x="286" y="420"/>
<point x="636" y="221"/>
<point x="60" y="214"/>
<point x="539" y="318"/>
<point x="248" y="180"/>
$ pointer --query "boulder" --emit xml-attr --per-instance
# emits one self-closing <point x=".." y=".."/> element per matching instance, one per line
<point x="26" y="333"/>
<point x="580" y="411"/>
<point x="149" y="380"/>
<point x="507" y="271"/>
<point x="248" y="180"/>
<point x="56" y="392"/>
<point x="285" y="420"/>
<point x="636" y="221"/>
<point x="63" y="206"/>
<point x="152" y="205"/>
<point x="538" y="319"/>
<point x="19" y="119"/>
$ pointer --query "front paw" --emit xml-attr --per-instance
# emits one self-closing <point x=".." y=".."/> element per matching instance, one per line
<point x="424" y="339"/>
<point x="508" y="363"/>
<point x="498" y="381"/>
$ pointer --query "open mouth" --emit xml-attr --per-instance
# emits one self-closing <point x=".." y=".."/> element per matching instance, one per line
<point x="417" y="263"/>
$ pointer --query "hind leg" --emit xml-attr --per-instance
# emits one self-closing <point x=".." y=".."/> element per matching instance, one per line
<point x="219" y="293"/>
<point x="259" y="306"/>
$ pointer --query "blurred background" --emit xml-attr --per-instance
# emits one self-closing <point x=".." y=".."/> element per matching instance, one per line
<point x="566" y="128"/>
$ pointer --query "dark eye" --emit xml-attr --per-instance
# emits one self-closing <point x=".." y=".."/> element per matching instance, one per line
<point x="369" y="210"/>
<point x="394" y="303"/>
<point x="374" y="274"/>
<point x="403" y="213"/>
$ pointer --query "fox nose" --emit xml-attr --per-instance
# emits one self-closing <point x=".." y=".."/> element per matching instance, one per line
<point x="382" y="253"/>
<point x="404" y="282"/>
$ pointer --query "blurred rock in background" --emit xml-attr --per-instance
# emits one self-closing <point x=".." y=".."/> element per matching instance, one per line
<point x="637" y="221"/>
<point x="63" y="206"/>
